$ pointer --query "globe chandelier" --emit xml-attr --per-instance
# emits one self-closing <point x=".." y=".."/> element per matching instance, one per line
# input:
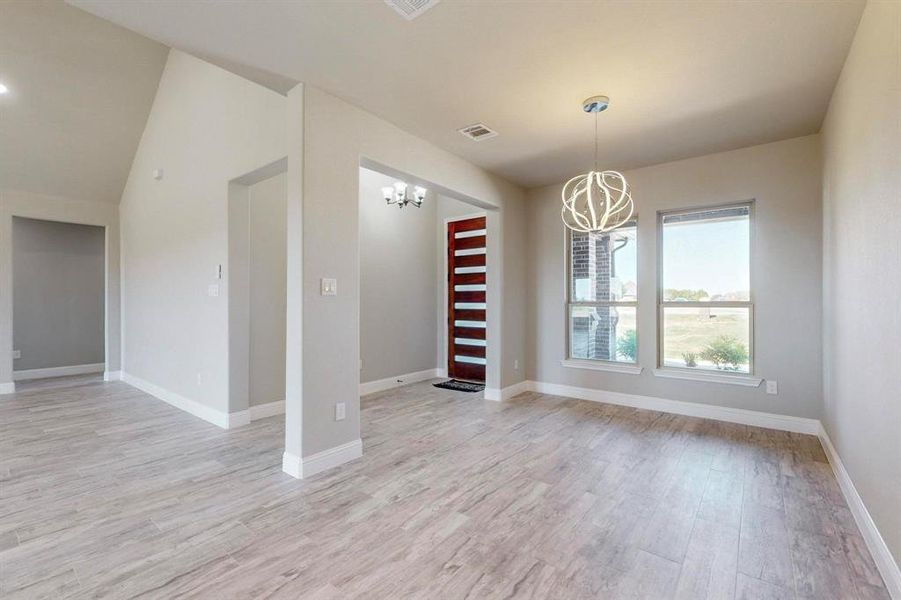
<point x="597" y="201"/>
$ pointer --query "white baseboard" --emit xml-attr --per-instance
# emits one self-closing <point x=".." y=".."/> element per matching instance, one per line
<point x="112" y="376"/>
<point x="879" y="550"/>
<point x="211" y="415"/>
<point x="678" y="407"/>
<point x="237" y="419"/>
<point x="58" y="371"/>
<point x="380" y="385"/>
<point x="7" y="388"/>
<point x="270" y="409"/>
<point x="503" y="394"/>
<point x="301" y="468"/>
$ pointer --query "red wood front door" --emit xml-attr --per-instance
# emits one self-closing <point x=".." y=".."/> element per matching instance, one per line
<point x="466" y="299"/>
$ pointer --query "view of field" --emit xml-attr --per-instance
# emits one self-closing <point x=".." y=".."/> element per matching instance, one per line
<point x="687" y="330"/>
<point x="691" y="329"/>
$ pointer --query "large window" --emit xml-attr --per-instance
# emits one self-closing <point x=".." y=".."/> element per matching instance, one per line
<point x="706" y="313"/>
<point x="602" y="295"/>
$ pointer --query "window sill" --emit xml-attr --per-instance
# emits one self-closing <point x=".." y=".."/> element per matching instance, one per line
<point x="595" y="365"/>
<point x="744" y="380"/>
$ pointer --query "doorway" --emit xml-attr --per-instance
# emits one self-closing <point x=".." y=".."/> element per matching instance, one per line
<point x="256" y="282"/>
<point x="466" y="299"/>
<point x="59" y="300"/>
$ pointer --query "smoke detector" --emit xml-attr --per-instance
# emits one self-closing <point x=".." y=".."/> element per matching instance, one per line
<point x="410" y="9"/>
<point x="478" y="132"/>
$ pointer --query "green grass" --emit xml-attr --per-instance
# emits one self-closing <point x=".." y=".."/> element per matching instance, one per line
<point x="690" y="330"/>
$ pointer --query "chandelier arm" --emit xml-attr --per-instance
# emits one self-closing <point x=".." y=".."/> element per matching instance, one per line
<point x="589" y="185"/>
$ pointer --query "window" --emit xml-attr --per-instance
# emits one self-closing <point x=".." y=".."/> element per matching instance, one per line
<point x="706" y="313"/>
<point x="602" y="296"/>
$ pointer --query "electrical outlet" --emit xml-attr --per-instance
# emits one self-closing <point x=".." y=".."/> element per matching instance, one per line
<point x="200" y="379"/>
<point x="17" y="354"/>
<point x="212" y="290"/>
<point x="340" y="412"/>
<point x="516" y="365"/>
<point x="772" y="387"/>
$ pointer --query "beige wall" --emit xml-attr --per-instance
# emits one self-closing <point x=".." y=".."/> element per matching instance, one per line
<point x="398" y="289"/>
<point x="55" y="208"/>
<point x="58" y="293"/>
<point x="330" y="141"/>
<point x="206" y="127"/>
<point x="862" y="267"/>
<point x="783" y="179"/>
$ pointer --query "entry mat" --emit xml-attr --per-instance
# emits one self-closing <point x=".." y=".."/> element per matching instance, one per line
<point x="460" y="386"/>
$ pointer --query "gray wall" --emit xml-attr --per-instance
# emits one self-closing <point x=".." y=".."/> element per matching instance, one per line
<point x="268" y="295"/>
<point x="398" y="289"/>
<point x="58" y="290"/>
<point x="862" y="267"/>
<point x="327" y="140"/>
<point x="784" y="179"/>
<point x="207" y="127"/>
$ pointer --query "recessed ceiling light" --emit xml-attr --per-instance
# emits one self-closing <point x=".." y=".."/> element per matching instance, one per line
<point x="3" y="89"/>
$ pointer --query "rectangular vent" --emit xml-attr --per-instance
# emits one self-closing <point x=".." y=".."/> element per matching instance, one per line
<point x="410" y="9"/>
<point x="478" y="132"/>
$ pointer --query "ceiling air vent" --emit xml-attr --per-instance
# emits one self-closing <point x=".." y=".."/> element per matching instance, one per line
<point x="478" y="132"/>
<point x="410" y="9"/>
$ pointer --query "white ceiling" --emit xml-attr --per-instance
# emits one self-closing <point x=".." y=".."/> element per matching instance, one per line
<point x="80" y="92"/>
<point x="686" y="78"/>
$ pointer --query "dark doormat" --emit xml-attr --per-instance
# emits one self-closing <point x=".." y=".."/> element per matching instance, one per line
<point x="460" y="386"/>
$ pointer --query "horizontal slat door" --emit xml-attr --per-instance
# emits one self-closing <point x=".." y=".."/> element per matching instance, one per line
<point x="466" y="296"/>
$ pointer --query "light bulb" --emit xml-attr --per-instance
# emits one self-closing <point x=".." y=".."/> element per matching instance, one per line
<point x="400" y="191"/>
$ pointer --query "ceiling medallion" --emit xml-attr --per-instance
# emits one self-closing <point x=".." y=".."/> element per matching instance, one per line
<point x="597" y="201"/>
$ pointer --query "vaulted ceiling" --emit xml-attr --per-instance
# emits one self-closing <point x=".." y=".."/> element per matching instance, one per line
<point x="686" y="78"/>
<point x="80" y="92"/>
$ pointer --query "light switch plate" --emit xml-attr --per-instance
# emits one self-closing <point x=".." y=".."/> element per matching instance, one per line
<point x="17" y="354"/>
<point x="340" y="412"/>
<point x="328" y="287"/>
<point x="772" y="387"/>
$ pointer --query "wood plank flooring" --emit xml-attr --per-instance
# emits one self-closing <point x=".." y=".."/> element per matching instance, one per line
<point x="106" y="492"/>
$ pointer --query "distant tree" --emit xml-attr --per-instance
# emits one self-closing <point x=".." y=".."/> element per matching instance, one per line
<point x="685" y="295"/>
<point x="725" y="352"/>
<point x="627" y="345"/>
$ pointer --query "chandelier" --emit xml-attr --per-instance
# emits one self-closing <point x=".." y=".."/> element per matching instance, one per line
<point x="398" y="195"/>
<point x="597" y="201"/>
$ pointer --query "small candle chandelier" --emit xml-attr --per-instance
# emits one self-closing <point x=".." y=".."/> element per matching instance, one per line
<point x="597" y="201"/>
<point x="398" y="195"/>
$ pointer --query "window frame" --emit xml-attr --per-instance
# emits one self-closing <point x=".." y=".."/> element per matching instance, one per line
<point x="632" y="367"/>
<point x="749" y="304"/>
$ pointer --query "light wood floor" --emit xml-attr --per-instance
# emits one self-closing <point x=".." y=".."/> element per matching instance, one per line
<point x="107" y="492"/>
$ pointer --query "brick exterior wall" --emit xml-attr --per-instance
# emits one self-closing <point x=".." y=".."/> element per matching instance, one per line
<point x="591" y="260"/>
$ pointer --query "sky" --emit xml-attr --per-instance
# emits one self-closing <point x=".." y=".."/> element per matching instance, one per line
<point x="716" y="260"/>
<point x="713" y="256"/>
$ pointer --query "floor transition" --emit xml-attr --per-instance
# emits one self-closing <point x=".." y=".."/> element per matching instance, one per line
<point x="107" y="492"/>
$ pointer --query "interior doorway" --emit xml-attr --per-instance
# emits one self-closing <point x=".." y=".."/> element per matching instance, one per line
<point x="467" y="299"/>
<point x="59" y="300"/>
<point x="257" y="293"/>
